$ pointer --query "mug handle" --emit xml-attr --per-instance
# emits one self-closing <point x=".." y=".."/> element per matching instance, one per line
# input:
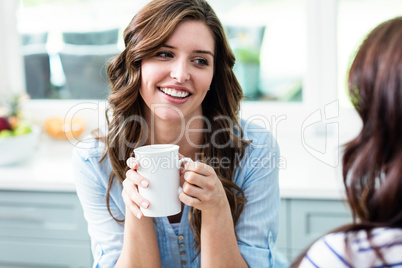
<point x="184" y="159"/>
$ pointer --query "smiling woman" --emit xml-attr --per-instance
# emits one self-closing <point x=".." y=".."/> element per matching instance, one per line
<point x="174" y="84"/>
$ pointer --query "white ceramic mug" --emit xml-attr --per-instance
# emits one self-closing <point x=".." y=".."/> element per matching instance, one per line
<point x="160" y="165"/>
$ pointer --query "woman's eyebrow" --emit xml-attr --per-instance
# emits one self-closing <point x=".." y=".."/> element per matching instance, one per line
<point x="195" y="51"/>
<point x="204" y="52"/>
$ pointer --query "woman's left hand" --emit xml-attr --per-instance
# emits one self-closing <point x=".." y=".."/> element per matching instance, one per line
<point x="202" y="188"/>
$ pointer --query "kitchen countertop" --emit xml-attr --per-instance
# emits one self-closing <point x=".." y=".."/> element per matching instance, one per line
<point x="48" y="169"/>
<point x="302" y="175"/>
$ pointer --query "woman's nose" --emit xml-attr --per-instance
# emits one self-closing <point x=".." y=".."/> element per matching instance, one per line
<point x="180" y="72"/>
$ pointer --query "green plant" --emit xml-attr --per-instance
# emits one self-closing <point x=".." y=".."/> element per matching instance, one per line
<point x="247" y="55"/>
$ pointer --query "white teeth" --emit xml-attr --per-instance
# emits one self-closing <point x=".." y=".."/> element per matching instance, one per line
<point x="174" y="93"/>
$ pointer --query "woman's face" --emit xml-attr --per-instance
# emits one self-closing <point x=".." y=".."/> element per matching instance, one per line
<point x="176" y="78"/>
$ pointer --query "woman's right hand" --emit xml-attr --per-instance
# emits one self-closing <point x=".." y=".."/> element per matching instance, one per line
<point x="131" y="197"/>
<point x="140" y="243"/>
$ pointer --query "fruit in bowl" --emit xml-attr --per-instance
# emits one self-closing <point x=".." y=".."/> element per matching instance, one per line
<point x="4" y="124"/>
<point x="16" y="143"/>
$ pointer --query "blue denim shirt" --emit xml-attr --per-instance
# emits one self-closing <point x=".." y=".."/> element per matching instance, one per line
<point x="257" y="227"/>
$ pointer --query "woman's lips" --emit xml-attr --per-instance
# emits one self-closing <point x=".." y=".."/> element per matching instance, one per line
<point x="174" y="92"/>
<point x="174" y="96"/>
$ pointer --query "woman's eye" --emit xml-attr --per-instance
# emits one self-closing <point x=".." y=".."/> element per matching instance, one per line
<point x="164" y="54"/>
<point x="201" y="62"/>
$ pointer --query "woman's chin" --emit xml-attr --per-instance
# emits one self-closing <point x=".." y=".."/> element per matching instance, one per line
<point x="169" y="115"/>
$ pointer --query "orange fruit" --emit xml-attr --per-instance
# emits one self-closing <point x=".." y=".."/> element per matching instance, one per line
<point x="61" y="129"/>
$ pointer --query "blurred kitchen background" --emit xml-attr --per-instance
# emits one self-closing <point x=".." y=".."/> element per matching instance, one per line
<point x="292" y="60"/>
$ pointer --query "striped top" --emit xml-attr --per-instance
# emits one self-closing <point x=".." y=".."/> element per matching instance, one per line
<point x="331" y="251"/>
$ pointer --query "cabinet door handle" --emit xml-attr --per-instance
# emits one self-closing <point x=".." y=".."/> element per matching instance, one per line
<point x="21" y="218"/>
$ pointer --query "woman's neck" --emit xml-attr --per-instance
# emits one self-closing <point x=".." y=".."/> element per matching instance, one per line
<point x="185" y="133"/>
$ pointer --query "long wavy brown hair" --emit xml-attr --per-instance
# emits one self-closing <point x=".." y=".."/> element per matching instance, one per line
<point x="146" y="33"/>
<point x="372" y="162"/>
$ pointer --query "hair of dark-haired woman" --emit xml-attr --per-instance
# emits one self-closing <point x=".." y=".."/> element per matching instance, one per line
<point x="372" y="162"/>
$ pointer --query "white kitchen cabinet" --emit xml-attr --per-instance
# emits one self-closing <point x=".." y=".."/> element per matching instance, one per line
<point x="42" y="229"/>
<point x="304" y="220"/>
<point x="282" y="243"/>
<point x="48" y="229"/>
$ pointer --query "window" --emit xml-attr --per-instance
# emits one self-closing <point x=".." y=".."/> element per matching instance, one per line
<point x="269" y="42"/>
<point x="66" y="45"/>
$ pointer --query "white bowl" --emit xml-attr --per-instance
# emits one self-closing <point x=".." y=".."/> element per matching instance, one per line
<point x="15" y="149"/>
